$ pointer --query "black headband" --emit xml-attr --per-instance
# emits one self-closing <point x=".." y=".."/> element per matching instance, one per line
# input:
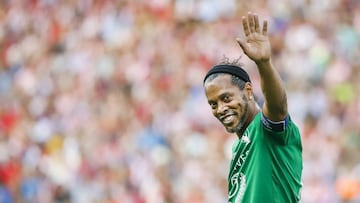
<point x="230" y="69"/>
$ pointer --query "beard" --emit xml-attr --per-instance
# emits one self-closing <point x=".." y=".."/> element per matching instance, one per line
<point x="242" y="121"/>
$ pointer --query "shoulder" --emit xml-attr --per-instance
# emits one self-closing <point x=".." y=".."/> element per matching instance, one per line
<point x="284" y="131"/>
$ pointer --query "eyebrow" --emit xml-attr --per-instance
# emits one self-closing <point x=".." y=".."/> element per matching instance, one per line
<point x="221" y="96"/>
<point x="225" y="94"/>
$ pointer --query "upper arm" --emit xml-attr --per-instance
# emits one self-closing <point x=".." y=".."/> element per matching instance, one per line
<point x="275" y="126"/>
<point x="277" y="130"/>
<point x="278" y="112"/>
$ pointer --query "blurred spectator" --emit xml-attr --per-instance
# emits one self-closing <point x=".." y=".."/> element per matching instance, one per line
<point x="102" y="101"/>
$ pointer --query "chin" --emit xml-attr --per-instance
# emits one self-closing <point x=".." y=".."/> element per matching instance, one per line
<point x="230" y="130"/>
<point x="235" y="129"/>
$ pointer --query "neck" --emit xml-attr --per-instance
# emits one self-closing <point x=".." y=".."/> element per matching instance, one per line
<point x="255" y="110"/>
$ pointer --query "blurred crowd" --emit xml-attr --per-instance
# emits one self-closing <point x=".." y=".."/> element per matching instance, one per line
<point x="101" y="101"/>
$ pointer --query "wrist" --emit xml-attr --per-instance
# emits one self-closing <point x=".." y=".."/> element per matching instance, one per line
<point x="263" y="63"/>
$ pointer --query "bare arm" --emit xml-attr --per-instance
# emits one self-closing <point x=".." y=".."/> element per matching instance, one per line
<point x="257" y="47"/>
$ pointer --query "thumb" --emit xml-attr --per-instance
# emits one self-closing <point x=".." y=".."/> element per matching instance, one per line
<point x="242" y="43"/>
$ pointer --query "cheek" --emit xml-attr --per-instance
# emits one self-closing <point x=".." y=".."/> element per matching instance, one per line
<point x="214" y="112"/>
<point x="244" y="101"/>
<point x="241" y="105"/>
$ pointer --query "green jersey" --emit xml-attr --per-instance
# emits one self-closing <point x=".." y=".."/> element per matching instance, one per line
<point x="266" y="165"/>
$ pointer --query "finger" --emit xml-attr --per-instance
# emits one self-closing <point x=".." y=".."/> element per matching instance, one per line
<point x="242" y="44"/>
<point x="265" y="27"/>
<point x="251" y="22"/>
<point x="257" y="27"/>
<point x="245" y="26"/>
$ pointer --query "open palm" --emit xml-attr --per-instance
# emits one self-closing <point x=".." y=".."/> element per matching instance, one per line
<point x="257" y="45"/>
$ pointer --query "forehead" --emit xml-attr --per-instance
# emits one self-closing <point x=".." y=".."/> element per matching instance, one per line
<point x="220" y="79"/>
<point x="220" y="85"/>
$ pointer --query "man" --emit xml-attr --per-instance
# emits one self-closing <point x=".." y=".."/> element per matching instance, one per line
<point x="266" y="165"/>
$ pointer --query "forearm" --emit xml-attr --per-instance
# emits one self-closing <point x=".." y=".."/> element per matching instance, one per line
<point x="275" y="104"/>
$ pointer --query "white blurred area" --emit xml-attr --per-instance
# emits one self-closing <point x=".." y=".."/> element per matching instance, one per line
<point x="101" y="101"/>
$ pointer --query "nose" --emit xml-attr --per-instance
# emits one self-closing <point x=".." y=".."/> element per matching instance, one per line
<point x="222" y="108"/>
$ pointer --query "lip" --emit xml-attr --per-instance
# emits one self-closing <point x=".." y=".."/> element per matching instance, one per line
<point x="223" y="118"/>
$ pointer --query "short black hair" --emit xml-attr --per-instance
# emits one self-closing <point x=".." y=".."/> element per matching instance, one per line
<point x="234" y="79"/>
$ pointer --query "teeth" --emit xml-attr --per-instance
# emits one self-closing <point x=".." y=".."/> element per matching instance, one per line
<point x="228" y="119"/>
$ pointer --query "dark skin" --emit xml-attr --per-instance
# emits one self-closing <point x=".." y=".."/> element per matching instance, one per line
<point x="257" y="47"/>
<point x="233" y="107"/>
<point x="236" y="108"/>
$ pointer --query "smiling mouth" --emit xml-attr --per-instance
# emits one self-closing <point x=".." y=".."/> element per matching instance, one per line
<point x="227" y="119"/>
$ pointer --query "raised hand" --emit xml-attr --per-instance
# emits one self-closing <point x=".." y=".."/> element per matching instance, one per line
<point x="256" y="45"/>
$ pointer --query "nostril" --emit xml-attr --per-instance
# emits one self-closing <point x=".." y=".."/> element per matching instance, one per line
<point x="222" y="110"/>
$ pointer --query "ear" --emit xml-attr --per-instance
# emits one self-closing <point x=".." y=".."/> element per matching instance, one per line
<point x="249" y="91"/>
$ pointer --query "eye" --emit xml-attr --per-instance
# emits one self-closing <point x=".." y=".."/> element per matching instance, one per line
<point x="212" y="105"/>
<point x="227" y="98"/>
